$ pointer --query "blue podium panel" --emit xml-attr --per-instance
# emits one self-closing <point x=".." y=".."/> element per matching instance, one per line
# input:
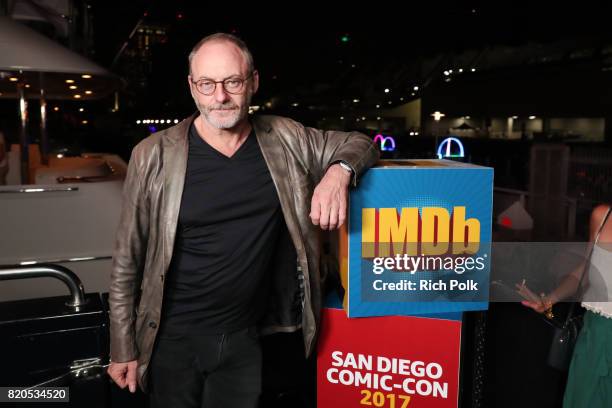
<point x="418" y="239"/>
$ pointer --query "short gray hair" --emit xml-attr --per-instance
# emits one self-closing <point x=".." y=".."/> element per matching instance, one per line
<point x="229" y="38"/>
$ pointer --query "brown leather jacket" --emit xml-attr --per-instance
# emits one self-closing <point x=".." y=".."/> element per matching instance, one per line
<point x="297" y="157"/>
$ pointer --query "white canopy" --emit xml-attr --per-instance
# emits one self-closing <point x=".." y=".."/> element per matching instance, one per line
<point x="25" y="54"/>
<point x="22" y="48"/>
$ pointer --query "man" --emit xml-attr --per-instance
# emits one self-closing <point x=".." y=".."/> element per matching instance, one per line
<point x="220" y="226"/>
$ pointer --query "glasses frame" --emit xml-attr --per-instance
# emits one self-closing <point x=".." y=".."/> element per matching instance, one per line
<point x="222" y="82"/>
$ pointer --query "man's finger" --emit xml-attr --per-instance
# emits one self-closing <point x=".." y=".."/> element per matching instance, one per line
<point x="315" y="210"/>
<point x="333" y="217"/>
<point x="131" y="378"/>
<point x="324" y="220"/>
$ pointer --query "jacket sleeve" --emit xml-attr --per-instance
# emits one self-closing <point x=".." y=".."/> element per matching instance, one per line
<point x="324" y="148"/>
<point x="128" y="263"/>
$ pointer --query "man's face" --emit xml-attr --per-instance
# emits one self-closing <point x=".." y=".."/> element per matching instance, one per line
<point x="218" y="61"/>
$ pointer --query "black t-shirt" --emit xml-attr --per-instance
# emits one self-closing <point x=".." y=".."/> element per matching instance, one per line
<point x="227" y="230"/>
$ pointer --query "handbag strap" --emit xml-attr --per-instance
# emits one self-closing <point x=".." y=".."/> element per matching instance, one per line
<point x="588" y="261"/>
<point x="602" y="224"/>
<point x="587" y="264"/>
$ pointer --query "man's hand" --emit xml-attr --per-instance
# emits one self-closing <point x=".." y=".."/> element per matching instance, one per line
<point x="124" y="374"/>
<point x="328" y="206"/>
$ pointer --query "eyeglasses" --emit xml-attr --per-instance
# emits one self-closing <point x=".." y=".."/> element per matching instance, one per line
<point x="234" y="85"/>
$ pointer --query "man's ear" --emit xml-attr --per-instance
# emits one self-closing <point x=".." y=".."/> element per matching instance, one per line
<point x="191" y="85"/>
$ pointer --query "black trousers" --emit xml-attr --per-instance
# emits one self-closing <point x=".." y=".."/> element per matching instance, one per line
<point x="210" y="371"/>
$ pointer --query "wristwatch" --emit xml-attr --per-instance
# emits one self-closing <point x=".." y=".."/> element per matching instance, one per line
<point x="346" y="166"/>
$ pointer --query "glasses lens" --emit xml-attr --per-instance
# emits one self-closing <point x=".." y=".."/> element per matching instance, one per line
<point x="233" y="85"/>
<point x="206" y="87"/>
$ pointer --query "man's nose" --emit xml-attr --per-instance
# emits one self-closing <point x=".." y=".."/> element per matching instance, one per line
<point x="220" y="93"/>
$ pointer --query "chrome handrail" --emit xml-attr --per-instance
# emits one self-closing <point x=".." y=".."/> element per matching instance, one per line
<point x="39" y="190"/>
<point x="59" y="260"/>
<point x="70" y="279"/>
<point x="76" y="179"/>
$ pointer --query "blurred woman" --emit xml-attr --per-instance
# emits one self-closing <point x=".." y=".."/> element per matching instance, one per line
<point x="589" y="382"/>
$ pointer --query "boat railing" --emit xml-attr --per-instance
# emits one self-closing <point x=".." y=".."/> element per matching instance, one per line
<point x="111" y="173"/>
<point x="69" y="278"/>
<point x="38" y="189"/>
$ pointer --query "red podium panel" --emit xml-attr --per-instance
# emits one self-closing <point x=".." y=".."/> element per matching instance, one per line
<point x="391" y="361"/>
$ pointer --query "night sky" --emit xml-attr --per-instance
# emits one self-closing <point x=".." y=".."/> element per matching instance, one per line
<point x="298" y="47"/>
<point x="318" y="55"/>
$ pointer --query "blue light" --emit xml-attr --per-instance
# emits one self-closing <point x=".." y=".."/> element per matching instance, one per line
<point x="446" y="145"/>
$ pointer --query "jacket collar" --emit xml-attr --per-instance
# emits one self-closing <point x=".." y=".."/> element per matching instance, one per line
<point x="179" y="132"/>
<point x="275" y="155"/>
<point x="174" y="151"/>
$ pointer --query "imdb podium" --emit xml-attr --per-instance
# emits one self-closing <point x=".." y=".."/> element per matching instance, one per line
<point x="414" y="256"/>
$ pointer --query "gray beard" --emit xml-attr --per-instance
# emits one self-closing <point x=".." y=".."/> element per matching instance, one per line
<point x="228" y="122"/>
